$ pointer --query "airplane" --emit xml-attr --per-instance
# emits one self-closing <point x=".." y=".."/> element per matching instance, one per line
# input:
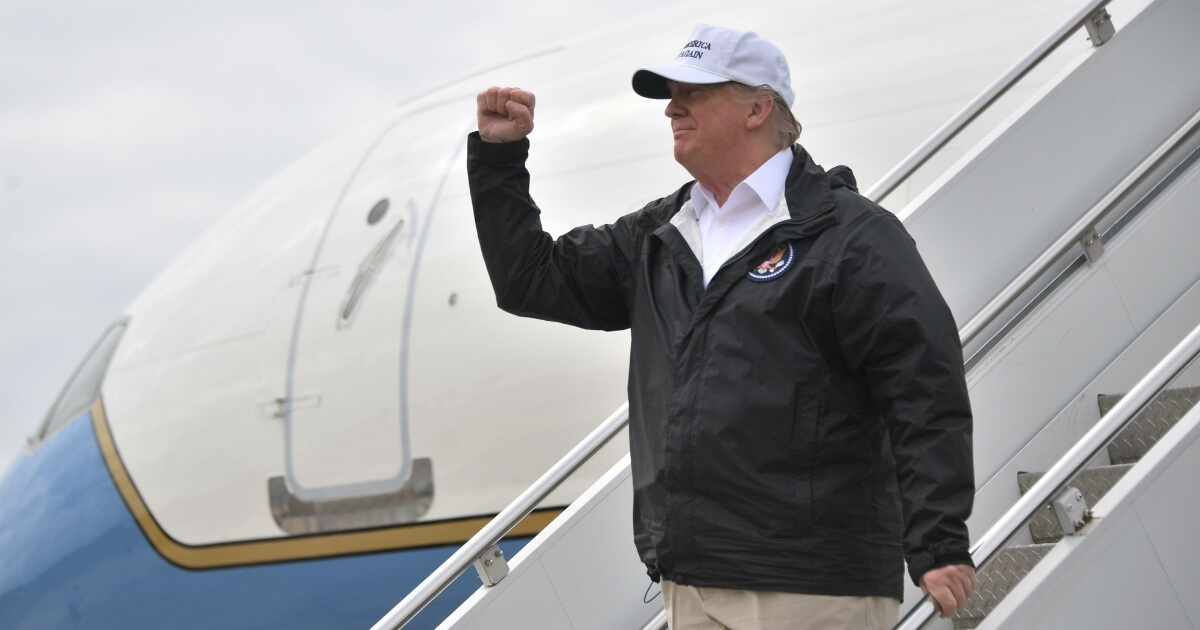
<point x="308" y="411"/>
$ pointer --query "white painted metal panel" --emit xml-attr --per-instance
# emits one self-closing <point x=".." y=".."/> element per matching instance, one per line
<point x="1115" y="584"/>
<point x="1168" y="511"/>
<point x="1167" y="245"/>
<point x="189" y="394"/>
<point x="1066" y="346"/>
<point x="999" y="492"/>
<point x="583" y="565"/>
<point x="1044" y="365"/>
<point x="346" y="427"/>
<point x="1135" y="565"/>
<point x="593" y="579"/>
<point x="984" y="224"/>
<point x="529" y="602"/>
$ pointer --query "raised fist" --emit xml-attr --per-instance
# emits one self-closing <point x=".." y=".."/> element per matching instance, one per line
<point x="505" y="114"/>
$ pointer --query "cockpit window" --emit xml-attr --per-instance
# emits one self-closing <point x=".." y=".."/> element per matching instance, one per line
<point x="84" y="387"/>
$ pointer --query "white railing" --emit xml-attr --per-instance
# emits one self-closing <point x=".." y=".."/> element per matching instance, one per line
<point x="503" y="523"/>
<point x="1149" y="167"/>
<point x="986" y="98"/>
<point x="1075" y="460"/>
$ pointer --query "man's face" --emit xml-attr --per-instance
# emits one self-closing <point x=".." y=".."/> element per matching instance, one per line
<point x="706" y="122"/>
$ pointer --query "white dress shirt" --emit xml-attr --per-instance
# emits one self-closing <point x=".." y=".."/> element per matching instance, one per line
<point x="718" y="232"/>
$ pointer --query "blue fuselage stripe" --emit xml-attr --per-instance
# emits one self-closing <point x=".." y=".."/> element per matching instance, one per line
<point x="72" y="556"/>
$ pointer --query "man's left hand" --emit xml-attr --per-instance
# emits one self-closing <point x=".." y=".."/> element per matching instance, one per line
<point x="949" y="586"/>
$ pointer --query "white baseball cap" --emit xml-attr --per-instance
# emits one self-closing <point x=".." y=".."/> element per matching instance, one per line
<point x="715" y="55"/>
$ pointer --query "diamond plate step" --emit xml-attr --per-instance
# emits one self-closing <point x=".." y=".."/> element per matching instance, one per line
<point x="1094" y="483"/>
<point x="996" y="579"/>
<point x="1011" y="565"/>
<point x="1150" y="425"/>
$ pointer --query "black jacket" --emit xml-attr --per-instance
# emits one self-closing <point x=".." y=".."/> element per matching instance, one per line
<point x="803" y="430"/>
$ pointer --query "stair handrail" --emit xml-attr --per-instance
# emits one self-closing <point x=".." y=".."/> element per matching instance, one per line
<point x="524" y="504"/>
<point x="504" y="522"/>
<point x="984" y="100"/>
<point x="1076" y="232"/>
<point x="1070" y="464"/>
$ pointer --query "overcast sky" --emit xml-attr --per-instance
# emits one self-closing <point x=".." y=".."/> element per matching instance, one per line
<point x="128" y="127"/>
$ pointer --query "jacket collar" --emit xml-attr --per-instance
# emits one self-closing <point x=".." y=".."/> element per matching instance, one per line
<point x="809" y="192"/>
<point x="811" y="205"/>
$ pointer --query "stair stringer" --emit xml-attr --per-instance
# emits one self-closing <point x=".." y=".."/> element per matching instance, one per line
<point x="1126" y="569"/>
<point x="1029" y="180"/>
<point x="1012" y="195"/>
<point x="581" y="572"/>
<point x="1034" y="395"/>
<point x="1098" y="347"/>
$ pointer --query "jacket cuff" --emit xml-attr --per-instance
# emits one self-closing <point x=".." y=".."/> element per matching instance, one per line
<point x="921" y="563"/>
<point x="497" y="153"/>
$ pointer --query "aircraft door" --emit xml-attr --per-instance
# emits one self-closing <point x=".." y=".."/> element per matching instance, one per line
<point x="349" y="462"/>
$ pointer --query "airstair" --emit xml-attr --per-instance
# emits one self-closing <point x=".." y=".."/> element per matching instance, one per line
<point x="1066" y="244"/>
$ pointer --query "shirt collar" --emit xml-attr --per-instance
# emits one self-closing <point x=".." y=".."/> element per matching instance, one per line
<point x="766" y="182"/>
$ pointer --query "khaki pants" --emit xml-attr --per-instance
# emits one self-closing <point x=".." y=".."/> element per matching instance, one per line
<point x="700" y="608"/>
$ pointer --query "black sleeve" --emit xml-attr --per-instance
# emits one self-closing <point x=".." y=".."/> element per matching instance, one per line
<point x="896" y="330"/>
<point x="580" y="279"/>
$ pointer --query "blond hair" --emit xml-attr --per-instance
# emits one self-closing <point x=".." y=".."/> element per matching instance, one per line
<point x="785" y="128"/>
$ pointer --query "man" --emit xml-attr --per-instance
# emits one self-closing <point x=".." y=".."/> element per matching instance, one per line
<point x="799" y="420"/>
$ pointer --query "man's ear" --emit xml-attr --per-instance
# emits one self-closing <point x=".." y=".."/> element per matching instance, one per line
<point x="760" y="113"/>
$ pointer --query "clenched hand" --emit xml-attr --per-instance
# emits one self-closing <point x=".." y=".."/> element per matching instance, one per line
<point x="505" y="114"/>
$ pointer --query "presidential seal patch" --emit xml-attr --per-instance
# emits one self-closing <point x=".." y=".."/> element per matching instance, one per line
<point x="775" y="266"/>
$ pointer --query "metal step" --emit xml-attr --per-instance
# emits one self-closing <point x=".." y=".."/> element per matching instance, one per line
<point x="1011" y="565"/>
<point x="1094" y="483"/>
<point x="999" y="577"/>
<point x="1150" y="425"/>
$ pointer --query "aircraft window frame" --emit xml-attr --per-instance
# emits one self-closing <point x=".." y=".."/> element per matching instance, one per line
<point x="83" y="388"/>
